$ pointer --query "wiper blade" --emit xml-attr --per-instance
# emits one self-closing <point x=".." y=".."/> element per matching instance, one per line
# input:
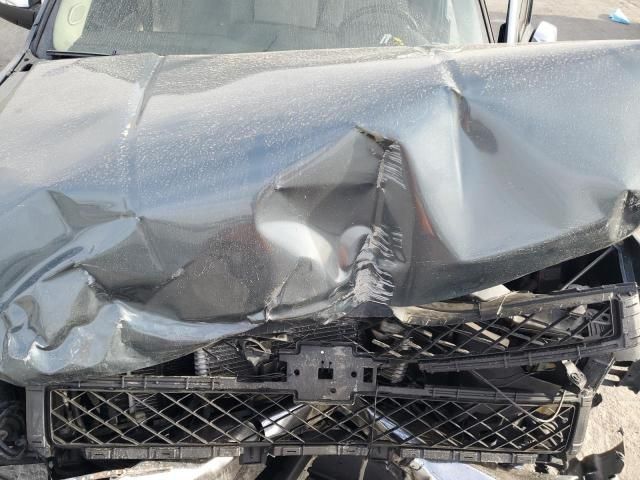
<point x="72" y="54"/>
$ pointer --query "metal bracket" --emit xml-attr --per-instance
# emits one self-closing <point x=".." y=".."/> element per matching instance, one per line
<point x="575" y="375"/>
<point x="319" y="373"/>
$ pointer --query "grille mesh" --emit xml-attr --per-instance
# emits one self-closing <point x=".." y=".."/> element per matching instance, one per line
<point x="520" y="330"/>
<point x="394" y="340"/>
<point x="126" y="419"/>
<point x="550" y="333"/>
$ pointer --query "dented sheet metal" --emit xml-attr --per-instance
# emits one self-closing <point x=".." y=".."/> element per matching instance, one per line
<point x="151" y="205"/>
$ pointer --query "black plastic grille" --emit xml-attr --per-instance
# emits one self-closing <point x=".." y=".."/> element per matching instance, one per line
<point x="560" y="328"/>
<point x="128" y="419"/>
<point x="517" y="330"/>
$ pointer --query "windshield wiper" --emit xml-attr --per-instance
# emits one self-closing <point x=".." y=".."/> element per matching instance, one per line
<point x="72" y="54"/>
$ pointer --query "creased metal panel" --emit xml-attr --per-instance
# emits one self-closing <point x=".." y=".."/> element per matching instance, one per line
<point x="151" y="205"/>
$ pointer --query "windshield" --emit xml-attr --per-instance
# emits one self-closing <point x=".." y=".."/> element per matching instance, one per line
<point x="239" y="26"/>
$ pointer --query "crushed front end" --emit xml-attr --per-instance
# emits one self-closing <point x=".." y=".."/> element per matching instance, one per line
<point x="504" y="376"/>
<point x="399" y="254"/>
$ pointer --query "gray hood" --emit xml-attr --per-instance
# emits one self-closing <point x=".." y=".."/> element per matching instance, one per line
<point x="150" y="205"/>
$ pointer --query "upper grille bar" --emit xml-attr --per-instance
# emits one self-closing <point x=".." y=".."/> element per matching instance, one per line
<point x="513" y="331"/>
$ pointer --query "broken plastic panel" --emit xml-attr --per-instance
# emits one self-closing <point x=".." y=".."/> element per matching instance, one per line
<point x="518" y="329"/>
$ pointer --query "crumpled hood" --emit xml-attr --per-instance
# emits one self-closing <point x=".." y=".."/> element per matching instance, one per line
<point x="150" y="205"/>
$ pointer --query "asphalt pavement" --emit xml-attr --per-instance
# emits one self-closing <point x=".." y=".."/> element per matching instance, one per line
<point x="578" y="20"/>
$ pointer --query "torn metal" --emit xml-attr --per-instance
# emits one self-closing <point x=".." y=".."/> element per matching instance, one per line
<point x="151" y="205"/>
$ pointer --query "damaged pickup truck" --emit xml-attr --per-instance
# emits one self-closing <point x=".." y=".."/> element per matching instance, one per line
<point x="333" y="231"/>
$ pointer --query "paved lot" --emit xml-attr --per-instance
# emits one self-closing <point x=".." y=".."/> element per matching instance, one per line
<point x="579" y="19"/>
<point x="576" y="20"/>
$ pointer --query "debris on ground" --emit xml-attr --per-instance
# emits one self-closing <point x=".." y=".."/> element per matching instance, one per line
<point x="619" y="17"/>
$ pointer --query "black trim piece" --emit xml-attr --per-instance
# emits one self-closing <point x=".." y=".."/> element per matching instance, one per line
<point x="487" y="21"/>
<point x="20" y="16"/>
